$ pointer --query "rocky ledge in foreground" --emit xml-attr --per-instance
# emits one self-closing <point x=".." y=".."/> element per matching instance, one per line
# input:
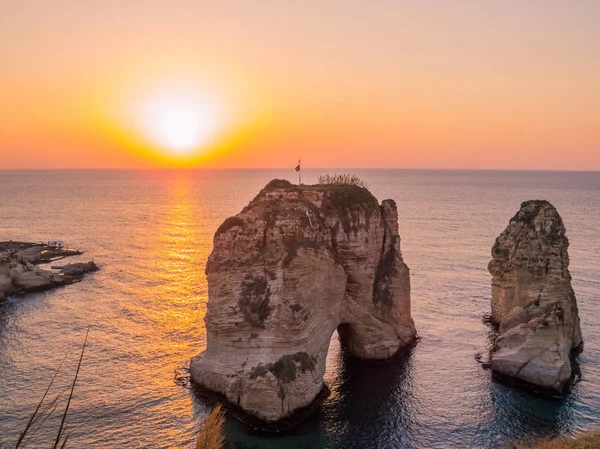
<point x="19" y="271"/>
<point x="532" y="300"/>
<point x="296" y="264"/>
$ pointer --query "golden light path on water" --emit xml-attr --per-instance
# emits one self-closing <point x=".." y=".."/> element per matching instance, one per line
<point x="177" y="267"/>
<point x="164" y="302"/>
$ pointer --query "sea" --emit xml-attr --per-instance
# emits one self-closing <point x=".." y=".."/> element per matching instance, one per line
<point x="151" y="233"/>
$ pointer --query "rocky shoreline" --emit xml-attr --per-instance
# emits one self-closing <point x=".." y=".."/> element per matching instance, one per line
<point x="19" y="271"/>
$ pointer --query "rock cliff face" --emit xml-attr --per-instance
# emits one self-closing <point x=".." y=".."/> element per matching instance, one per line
<point x="296" y="264"/>
<point x="532" y="299"/>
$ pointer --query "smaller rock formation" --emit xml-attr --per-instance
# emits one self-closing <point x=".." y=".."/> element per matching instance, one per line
<point x="74" y="270"/>
<point x="532" y="300"/>
<point x="19" y="273"/>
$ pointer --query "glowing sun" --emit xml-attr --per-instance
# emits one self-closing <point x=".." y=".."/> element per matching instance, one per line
<point x="180" y="122"/>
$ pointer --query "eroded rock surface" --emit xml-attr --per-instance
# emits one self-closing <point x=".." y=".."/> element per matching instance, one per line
<point x="532" y="299"/>
<point x="295" y="265"/>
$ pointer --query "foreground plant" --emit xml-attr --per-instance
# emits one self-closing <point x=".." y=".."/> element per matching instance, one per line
<point x="211" y="434"/>
<point x="588" y="441"/>
<point x="44" y="410"/>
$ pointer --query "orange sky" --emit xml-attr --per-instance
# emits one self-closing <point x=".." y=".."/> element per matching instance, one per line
<point x="343" y="83"/>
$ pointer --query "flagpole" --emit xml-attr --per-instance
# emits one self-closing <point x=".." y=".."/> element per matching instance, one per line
<point x="299" y="170"/>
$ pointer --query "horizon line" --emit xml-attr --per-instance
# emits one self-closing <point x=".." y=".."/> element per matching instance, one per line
<point x="291" y="168"/>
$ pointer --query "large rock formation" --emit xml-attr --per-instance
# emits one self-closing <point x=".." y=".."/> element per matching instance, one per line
<point x="532" y="299"/>
<point x="296" y="264"/>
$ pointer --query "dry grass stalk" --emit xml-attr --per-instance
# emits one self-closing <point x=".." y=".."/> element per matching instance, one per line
<point x="344" y="179"/>
<point x="211" y="434"/>
<point x="588" y="441"/>
<point x="61" y="429"/>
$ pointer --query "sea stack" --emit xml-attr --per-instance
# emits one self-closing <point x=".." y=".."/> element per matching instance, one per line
<point x="296" y="264"/>
<point x="532" y="300"/>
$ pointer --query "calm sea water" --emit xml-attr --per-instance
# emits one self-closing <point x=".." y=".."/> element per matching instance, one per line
<point x="151" y="232"/>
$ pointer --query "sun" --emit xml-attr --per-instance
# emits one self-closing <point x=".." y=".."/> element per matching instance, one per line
<point x="180" y="122"/>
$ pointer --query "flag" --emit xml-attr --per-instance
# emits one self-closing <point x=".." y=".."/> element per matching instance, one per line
<point x="297" y="166"/>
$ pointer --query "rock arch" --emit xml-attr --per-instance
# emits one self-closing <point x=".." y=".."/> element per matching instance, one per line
<point x="295" y="264"/>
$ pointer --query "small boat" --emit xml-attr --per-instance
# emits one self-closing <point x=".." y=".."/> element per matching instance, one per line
<point x="57" y="267"/>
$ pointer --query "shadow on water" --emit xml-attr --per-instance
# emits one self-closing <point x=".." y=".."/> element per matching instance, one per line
<point x="357" y="414"/>
<point x="517" y="414"/>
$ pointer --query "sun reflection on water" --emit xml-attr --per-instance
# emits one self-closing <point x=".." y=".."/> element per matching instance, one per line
<point x="173" y="304"/>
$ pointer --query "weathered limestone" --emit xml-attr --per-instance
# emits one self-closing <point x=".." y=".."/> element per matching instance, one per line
<point x="284" y="274"/>
<point x="532" y="299"/>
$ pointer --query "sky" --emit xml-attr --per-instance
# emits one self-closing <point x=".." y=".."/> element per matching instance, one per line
<point x="436" y="84"/>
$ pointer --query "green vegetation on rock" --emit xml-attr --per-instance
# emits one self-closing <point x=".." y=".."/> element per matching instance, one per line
<point x="228" y="224"/>
<point x="292" y="250"/>
<point x="286" y="368"/>
<point x="279" y="184"/>
<point x="254" y="300"/>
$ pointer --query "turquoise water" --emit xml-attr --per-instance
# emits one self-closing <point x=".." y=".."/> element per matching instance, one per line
<point x="151" y="232"/>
